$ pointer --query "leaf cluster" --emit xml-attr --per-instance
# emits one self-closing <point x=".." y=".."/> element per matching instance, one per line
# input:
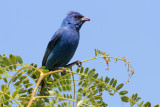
<point x="81" y="87"/>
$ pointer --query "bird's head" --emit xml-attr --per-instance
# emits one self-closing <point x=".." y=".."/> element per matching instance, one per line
<point x="74" y="19"/>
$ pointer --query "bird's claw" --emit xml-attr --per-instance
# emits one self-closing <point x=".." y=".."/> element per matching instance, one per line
<point x="64" y="70"/>
<point x="79" y="63"/>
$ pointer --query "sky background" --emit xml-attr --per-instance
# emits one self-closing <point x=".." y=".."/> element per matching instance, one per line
<point x="129" y="28"/>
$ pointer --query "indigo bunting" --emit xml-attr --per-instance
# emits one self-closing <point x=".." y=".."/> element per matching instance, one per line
<point x="63" y="44"/>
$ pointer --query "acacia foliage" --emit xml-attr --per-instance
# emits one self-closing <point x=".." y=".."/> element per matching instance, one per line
<point x="20" y="85"/>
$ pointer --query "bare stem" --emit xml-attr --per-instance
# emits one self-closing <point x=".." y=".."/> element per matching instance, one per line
<point x="38" y="83"/>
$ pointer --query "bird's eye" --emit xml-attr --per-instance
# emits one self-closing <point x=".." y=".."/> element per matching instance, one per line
<point x="76" y="17"/>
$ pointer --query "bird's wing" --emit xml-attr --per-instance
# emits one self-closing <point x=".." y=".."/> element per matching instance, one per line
<point x="52" y="44"/>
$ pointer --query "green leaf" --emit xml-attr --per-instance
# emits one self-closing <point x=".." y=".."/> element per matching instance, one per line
<point x="5" y="79"/>
<point x="1" y="59"/>
<point x="86" y="70"/>
<point x="30" y="90"/>
<point x="141" y="104"/>
<point x="111" y="82"/>
<point x="25" y="81"/>
<point x="29" y="84"/>
<point x="95" y="50"/>
<point x="4" y="88"/>
<point x="112" y="94"/>
<point x="23" y="77"/>
<point x="19" y="75"/>
<point x="97" y="97"/>
<point x="80" y="90"/>
<point x="13" y="59"/>
<point x="6" y="60"/>
<point x="157" y="105"/>
<point x="35" y="65"/>
<point x="18" y="87"/>
<point x="82" y="77"/>
<point x="95" y="76"/>
<point x="22" y="90"/>
<point x="80" y="83"/>
<point x="147" y="104"/>
<point x="119" y="86"/>
<point x="56" y="75"/>
<point x="125" y="99"/>
<point x="107" y="80"/>
<point x="17" y="83"/>
<point x="19" y="59"/>
<point x="40" y="103"/>
<point x="1" y="71"/>
<point x="11" y="67"/>
<point x="134" y="96"/>
<point x="15" y="93"/>
<point x="114" y="83"/>
<point x="60" y="89"/>
<point x="123" y="92"/>
<point x="81" y="71"/>
<point x="14" y="79"/>
<point x="77" y="70"/>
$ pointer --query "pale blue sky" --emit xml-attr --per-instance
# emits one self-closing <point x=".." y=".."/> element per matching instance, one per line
<point x="128" y="28"/>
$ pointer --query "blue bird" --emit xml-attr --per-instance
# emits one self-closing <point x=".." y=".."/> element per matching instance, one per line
<point x="63" y="44"/>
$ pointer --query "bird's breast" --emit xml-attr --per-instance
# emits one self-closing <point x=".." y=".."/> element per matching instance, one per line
<point x="70" y="39"/>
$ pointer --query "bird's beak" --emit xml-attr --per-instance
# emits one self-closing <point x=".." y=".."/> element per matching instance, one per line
<point x="85" y="19"/>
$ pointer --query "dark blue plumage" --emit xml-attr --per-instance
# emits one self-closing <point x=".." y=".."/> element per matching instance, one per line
<point x="64" y="43"/>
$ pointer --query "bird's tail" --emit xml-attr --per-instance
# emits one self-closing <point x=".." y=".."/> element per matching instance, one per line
<point x="43" y="83"/>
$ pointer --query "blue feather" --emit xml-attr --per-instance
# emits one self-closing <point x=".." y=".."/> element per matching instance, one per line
<point x="64" y="42"/>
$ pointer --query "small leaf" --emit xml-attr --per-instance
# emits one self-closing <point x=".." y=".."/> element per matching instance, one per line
<point x="141" y="104"/>
<point x="135" y="96"/>
<point x="77" y="70"/>
<point x="107" y="80"/>
<point x="25" y="81"/>
<point x="147" y="104"/>
<point x="80" y="83"/>
<point x="22" y="90"/>
<point x="123" y="92"/>
<point x="15" y="93"/>
<point x="157" y="105"/>
<point x="82" y="77"/>
<point x="30" y="90"/>
<point x="1" y="71"/>
<point x="29" y="84"/>
<point x="13" y="58"/>
<point x="97" y="97"/>
<point x="125" y="99"/>
<point x="5" y="79"/>
<point x="86" y="70"/>
<point x="95" y="76"/>
<point x="6" y="60"/>
<point x="60" y="89"/>
<point x="4" y="88"/>
<point x="23" y="77"/>
<point x="17" y="83"/>
<point x="112" y="94"/>
<point x="119" y="86"/>
<point x="14" y="79"/>
<point x="81" y="71"/>
<point x="19" y="59"/>
<point x="111" y="82"/>
<point x="114" y="83"/>
<point x="18" y="87"/>
<point x="95" y="52"/>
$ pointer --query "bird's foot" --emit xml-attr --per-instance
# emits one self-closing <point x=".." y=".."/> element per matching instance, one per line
<point x="79" y="63"/>
<point x="64" y="70"/>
